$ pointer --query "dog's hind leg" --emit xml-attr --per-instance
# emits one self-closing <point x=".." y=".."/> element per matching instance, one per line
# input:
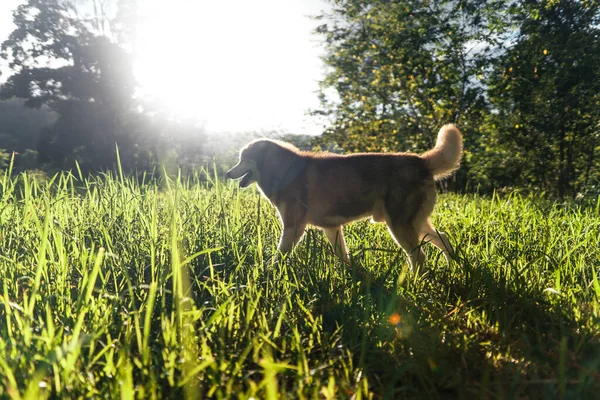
<point x="336" y="238"/>
<point x="429" y="234"/>
<point x="408" y="239"/>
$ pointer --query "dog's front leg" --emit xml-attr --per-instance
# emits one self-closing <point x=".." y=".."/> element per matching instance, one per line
<point x="289" y="237"/>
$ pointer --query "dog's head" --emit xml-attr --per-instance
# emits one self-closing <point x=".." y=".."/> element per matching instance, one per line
<point x="263" y="161"/>
<point x="247" y="167"/>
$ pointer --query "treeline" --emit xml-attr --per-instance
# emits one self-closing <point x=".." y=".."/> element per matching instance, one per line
<point x="69" y="98"/>
<point x="32" y="139"/>
<point x="521" y="79"/>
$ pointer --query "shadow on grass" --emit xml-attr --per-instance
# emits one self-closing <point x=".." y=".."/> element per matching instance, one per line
<point x="467" y="332"/>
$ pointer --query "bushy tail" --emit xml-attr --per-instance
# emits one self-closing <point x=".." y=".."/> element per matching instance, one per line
<point x="445" y="157"/>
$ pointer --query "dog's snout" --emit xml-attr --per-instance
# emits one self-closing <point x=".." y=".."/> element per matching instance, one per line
<point x="228" y="174"/>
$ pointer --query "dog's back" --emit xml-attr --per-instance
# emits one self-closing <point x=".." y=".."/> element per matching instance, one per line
<point x="345" y="188"/>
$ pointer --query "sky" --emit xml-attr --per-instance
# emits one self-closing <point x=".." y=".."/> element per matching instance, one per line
<point x="254" y="64"/>
<point x="6" y="27"/>
<point x="6" y="7"/>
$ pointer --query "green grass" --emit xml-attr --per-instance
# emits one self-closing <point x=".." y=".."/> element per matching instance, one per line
<point x="110" y="288"/>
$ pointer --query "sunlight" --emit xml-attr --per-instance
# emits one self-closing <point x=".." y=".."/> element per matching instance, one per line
<point x="234" y="65"/>
<point x="6" y="27"/>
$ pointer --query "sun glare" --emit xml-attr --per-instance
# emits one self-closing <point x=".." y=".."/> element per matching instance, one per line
<point x="234" y="65"/>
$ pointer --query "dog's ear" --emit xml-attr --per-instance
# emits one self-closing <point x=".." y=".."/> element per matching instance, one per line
<point x="278" y="168"/>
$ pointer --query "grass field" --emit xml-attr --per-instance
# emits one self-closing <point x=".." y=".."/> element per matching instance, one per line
<point x="112" y="288"/>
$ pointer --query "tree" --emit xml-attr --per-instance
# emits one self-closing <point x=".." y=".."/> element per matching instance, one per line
<point x="520" y="78"/>
<point x="61" y="61"/>
<point x="401" y="69"/>
<point x="20" y="126"/>
<point x="546" y="91"/>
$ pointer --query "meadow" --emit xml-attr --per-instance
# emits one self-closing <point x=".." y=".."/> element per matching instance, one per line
<point x="116" y="287"/>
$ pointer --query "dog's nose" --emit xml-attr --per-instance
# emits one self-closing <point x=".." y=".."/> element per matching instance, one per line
<point x="228" y="174"/>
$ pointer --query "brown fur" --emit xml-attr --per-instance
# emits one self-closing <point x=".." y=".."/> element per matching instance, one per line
<point x="330" y="190"/>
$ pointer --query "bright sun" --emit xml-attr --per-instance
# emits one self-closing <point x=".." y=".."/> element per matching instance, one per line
<point x="237" y="65"/>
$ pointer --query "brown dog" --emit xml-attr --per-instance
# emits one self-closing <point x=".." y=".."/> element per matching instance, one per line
<point x="330" y="190"/>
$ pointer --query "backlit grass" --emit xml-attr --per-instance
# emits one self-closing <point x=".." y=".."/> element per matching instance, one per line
<point x="112" y="287"/>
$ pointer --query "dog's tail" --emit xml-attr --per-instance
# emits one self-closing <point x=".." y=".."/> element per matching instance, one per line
<point x="445" y="157"/>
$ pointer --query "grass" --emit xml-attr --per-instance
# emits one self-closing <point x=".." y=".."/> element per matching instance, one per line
<point x="113" y="288"/>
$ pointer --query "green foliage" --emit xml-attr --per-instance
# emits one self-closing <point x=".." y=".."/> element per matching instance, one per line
<point x="546" y="90"/>
<point x="520" y="79"/>
<point x="20" y="126"/>
<point x="110" y="288"/>
<point x="4" y="158"/>
<point x="67" y="64"/>
<point x="401" y="69"/>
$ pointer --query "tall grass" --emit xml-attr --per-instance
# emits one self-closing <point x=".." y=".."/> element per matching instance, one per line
<point x="111" y="288"/>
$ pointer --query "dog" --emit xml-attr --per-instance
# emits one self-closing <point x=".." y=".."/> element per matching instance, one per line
<point x="329" y="190"/>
